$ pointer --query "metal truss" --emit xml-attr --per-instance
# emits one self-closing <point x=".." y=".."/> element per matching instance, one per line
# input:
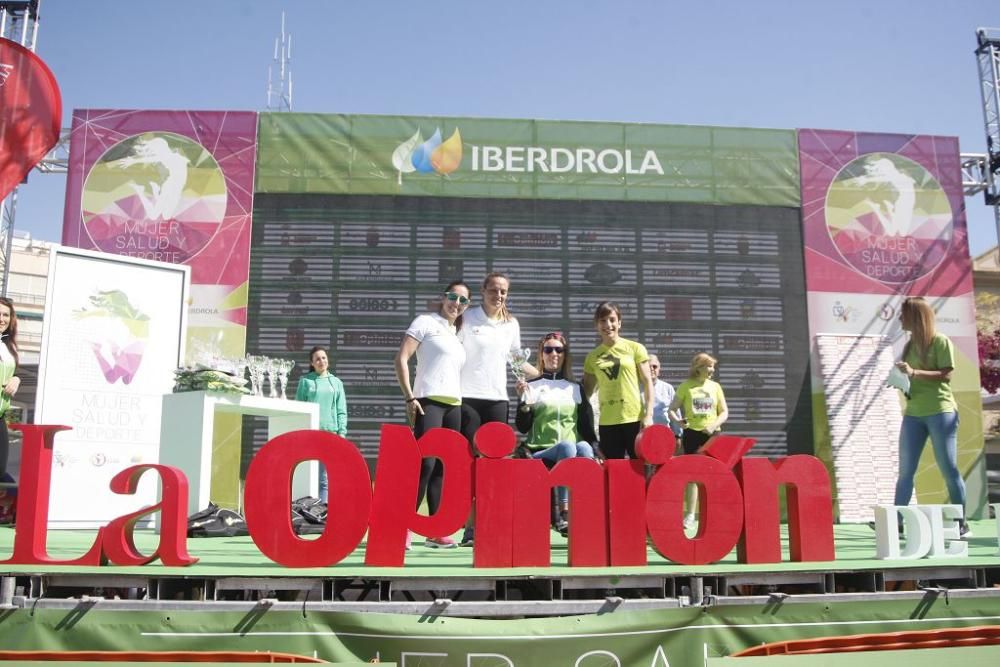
<point x="18" y="23"/>
<point x="542" y="594"/>
<point x="56" y="161"/>
<point x="988" y="56"/>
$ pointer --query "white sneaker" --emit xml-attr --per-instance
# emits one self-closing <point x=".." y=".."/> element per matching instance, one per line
<point x="689" y="521"/>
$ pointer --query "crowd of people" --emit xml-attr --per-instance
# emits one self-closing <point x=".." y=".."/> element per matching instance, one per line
<point x="460" y="383"/>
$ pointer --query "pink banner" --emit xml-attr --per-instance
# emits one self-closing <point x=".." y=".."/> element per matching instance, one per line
<point x="172" y="186"/>
<point x="883" y="214"/>
<point x="884" y="219"/>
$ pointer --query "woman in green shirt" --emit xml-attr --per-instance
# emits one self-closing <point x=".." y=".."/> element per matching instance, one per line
<point x="322" y="387"/>
<point x="928" y="360"/>
<point x="703" y="404"/>
<point x="9" y="383"/>
<point x="617" y="369"/>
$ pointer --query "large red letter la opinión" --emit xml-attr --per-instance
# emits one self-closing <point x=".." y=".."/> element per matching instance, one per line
<point x="119" y="541"/>
<point x="268" y="497"/>
<point x="33" y="500"/>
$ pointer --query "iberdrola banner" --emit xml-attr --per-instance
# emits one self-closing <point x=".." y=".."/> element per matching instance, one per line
<point x="525" y="159"/>
<point x="177" y="187"/>
<point x="883" y="219"/>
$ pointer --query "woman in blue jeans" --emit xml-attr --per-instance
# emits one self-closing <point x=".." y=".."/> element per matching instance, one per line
<point x="931" y="411"/>
<point x="554" y="412"/>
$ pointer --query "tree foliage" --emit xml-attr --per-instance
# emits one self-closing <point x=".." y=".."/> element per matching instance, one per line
<point x="989" y="359"/>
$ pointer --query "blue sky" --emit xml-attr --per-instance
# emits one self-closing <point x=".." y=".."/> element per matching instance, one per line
<point x="883" y="66"/>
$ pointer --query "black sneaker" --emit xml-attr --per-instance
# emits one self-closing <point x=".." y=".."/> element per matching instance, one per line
<point x="467" y="538"/>
<point x="964" y="532"/>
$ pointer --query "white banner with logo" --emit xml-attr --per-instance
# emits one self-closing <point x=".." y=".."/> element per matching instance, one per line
<point x="113" y="334"/>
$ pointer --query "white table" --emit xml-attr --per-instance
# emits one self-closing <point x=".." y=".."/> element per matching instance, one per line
<point x="186" y="436"/>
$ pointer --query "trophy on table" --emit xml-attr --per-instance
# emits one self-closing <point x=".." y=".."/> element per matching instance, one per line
<point x="240" y="369"/>
<point x="256" y="365"/>
<point x="271" y="368"/>
<point x="284" y="368"/>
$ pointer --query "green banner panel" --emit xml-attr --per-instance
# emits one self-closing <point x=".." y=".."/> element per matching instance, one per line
<point x="651" y="639"/>
<point x="525" y="159"/>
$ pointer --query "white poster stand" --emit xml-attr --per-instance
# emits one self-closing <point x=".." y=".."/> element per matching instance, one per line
<point x="113" y="334"/>
<point x="864" y="420"/>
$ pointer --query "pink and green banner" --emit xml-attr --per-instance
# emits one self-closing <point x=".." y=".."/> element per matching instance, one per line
<point x="883" y="219"/>
<point x="172" y="186"/>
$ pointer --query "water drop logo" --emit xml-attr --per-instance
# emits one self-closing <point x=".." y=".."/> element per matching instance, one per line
<point x="431" y="156"/>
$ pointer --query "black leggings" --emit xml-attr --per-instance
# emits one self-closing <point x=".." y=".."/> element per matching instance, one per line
<point x="479" y="411"/>
<point x="692" y="440"/>
<point x="4" y="445"/>
<point x="619" y="439"/>
<point x="431" y="469"/>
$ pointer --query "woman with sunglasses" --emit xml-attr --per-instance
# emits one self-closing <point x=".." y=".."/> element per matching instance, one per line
<point x="9" y="383"/>
<point x="489" y="333"/>
<point x="435" y="398"/>
<point x="553" y="412"/>
<point x="615" y="368"/>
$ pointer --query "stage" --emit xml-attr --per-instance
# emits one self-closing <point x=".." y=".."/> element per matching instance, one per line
<point x="442" y="610"/>
<point x="443" y="582"/>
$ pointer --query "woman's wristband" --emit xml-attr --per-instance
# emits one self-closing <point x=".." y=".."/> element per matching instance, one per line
<point x="411" y="399"/>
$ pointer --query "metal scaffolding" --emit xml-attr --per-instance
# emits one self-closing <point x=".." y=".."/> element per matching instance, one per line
<point x="988" y="56"/>
<point x="18" y="23"/>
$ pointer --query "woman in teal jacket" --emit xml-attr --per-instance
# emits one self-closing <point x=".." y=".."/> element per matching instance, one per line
<point x="322" y="387"/>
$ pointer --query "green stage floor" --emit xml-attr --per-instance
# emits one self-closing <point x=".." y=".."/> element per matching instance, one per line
<point x="226" y="557"/>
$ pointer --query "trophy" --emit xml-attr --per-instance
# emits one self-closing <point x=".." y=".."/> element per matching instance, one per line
<point x="284" y="367"/>
<point x="517" y="358"/>
<point x="251" y="367"/>
<point x="256" y="364"/>
<point x="239" y="365"/>
<point x="271" y="368"/>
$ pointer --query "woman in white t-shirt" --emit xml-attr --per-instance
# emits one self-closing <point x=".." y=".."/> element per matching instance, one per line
<point x="488" y="334"/>
<point x="435" y="399"/>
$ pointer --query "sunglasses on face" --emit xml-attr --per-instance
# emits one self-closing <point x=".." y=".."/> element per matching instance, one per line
<point x="549" y="349"/>
<point x="455" y="296"/>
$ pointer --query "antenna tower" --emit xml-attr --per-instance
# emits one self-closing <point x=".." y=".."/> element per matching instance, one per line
<point x="279" y="98"/>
